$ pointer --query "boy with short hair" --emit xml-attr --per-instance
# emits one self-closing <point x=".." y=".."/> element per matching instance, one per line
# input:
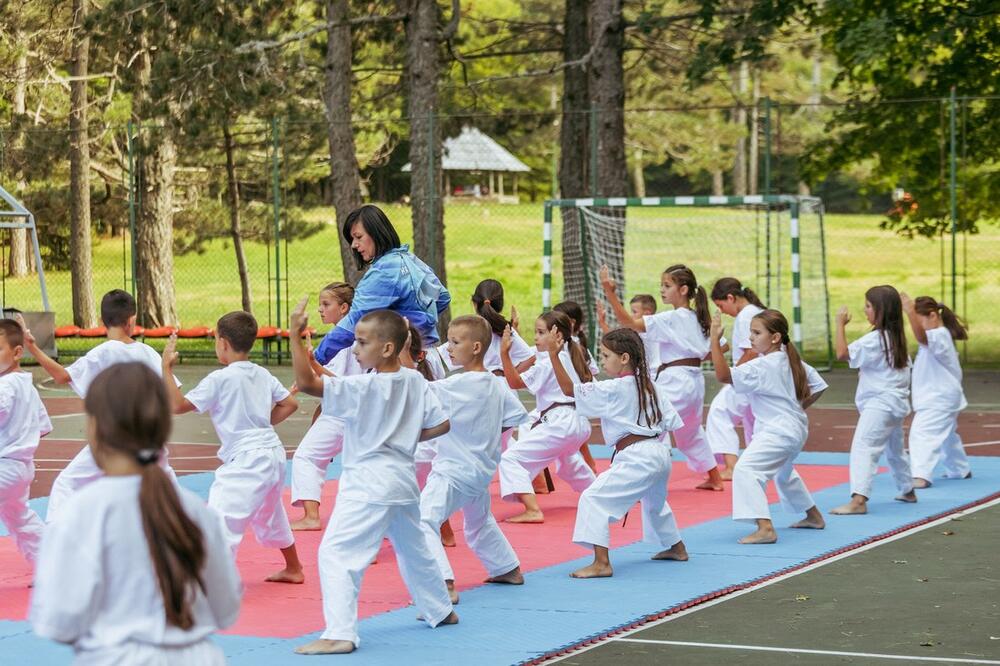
<point x="245" y="402"/>
<point x="479" y="407"/>
<point x="23" y="420"/>
<point x="641" y="305"/>
<point x="385" y="413"/>
<point x="118" y="312"/>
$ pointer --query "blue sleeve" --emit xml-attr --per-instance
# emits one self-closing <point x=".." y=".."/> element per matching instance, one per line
<point x="376" y="291"/>
<point x="444" y="300"/>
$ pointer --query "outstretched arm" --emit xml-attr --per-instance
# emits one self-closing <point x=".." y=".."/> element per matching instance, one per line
<point x="178" y="403"/>
<point x="840" y="340"/>
<point x="911" y="313"/>
<point x="52" y="367"/>
<point x="565" y="383"/>
<point x="722" y="371"/>
<point x="305" y="377"/>
<point x="510" y="371"/>
<point x="624" y="317"/>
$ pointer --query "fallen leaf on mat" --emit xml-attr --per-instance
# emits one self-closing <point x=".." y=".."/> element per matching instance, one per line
<point x="802" y="597"/>
<point x="947" y="532"/>
<point x="927" y="644"/>
<point x="900" y="562"/>
<point x="923" y="580"/>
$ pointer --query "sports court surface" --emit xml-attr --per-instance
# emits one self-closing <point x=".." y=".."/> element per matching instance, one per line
<point x="905" y="583"/>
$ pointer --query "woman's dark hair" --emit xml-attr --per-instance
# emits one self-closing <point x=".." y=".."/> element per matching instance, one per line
<point x="627" y="341"/>
<point x="418" y="355"/>
<point x="775" y="322"/>
<point x="130" y="409"/>
<point x="488" y="299"/>
<point x="576" y="352"/>
<point x="573" y="310"/>
<point x="376" y="225"/>
<point x="889" y="322"/>
<point x="683" y="276"/>
<point x="925" y="305"/>
<point x="730" y="286"/>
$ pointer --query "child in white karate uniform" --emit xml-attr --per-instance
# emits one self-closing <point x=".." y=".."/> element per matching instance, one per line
<point x="729" y="408"/>
<point x="683" y="337"/>
<point x="640" y="305"/>
<point x="635" y="417"/>
<point x="325" y="437"/>
<point x="780" y="387"/>
<point x="937" y="392"/>
<point x="385" y="413"/>
<point x="558" y="431"/>
<point x="245" y="402"/>
<point x="882" y="396"/>
<point x="578" y="322"/>
<point x="118" y="311"/>
<point x="138" y="571"/>
<point x="23" y="420"/>
<point x="479" y="407"/>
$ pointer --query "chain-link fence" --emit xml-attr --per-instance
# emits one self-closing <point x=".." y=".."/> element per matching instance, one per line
<point x="261" y="191"/>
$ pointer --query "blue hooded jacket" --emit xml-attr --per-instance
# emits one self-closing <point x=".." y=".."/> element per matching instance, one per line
<point x="397" y="281"/>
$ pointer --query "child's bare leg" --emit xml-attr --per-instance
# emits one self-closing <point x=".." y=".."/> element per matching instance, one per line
<point x="540" y="484"/>
<point x="765" y="533"/>
<point x="714" y="481"/>
<point x="677" y="552"/>
<point x="909" y="497"/>
<point x="512" y="577"/>
<point x="726" y="473"/>
<point x="325" y="646"/>
<point x="588" y="457"/>
<point x="452" y="592"/>
<point x="857" y="505"/>
<point x="531" y="514"/>
<point x="292" y="573"/>
<point x="447" y="535"/>
<point x="600" y="568"/>
<point x="813" y="520"/>
<point x="310" y="517"/>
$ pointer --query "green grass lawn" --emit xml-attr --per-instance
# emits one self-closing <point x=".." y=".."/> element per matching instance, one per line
<point x="505" y="242"/>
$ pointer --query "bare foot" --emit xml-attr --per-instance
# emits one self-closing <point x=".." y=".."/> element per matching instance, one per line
<point x="306" y="525"/>
<point x="726" y="474"/>
<point x="447" y="535"/>
<point x="324" y="646"/>
<point x="812" y="521"/>
<point x="676" y="552"/>
<point x="594" y="570"/>
<point x="527" y="517"/>
<point x="761" y="536"/>
<point x="452" y="592"/>
<point x="920" y="484"/>
<point x="286" y="576"/>
<point x="512" y="577"/>
<point x="968" y="476"/>
<point x="710" y="485"/>
<point x="857" y="506"/>
<point x="451" y="619"/>
<point x="909" y="498"/>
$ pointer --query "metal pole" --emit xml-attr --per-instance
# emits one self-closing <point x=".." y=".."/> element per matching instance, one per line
<point x="547" y="259"/>
<point x="952" y="187"/>
<point x="38" y="264"/>
<point x="593" y="151"/>
<point x="767" y="189"/>
<point x="132" y="190"/>
<point x="796" y="275"/>
<point x="276" y="201"/>
<point x="431" y="194"/>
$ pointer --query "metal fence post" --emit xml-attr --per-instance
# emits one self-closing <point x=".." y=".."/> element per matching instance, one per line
<point x="953" y="195"/>
<point x="793" y="223"/>
<point x="276" y="204"/>
<point x="133" y="189"/>
<point x="547" y="259"/>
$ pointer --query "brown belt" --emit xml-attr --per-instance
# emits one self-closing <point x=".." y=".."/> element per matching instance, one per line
<point x="498" y="373"/>
<point x="548" y="409"/>
<point x="683" y="362"/>
<point x="627" y="441"/>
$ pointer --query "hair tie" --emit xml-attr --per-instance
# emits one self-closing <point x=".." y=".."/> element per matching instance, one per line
<point x="486" y="301"/>
<point x="147" y="456"/>
<point x="940" y="305"/>
<point x="784" y="339"/>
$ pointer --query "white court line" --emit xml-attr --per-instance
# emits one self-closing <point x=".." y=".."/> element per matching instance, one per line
<point x="836" y="653"/>
<point x="66" y="416"/>
<point x="989" y="443"/>
<point x="778" y="579"/>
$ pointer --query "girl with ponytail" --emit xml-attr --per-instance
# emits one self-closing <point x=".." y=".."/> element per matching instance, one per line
<point x="882" y="396"/>
<point x="559" y="431"/>
<point x="780" y="386"/>
<point x="682" y="334"/>
<point x="138" y="570"/>
<point x="937" y="391"/>
<point x="577" y="322"/>
<point x="635" y="417"/>
<point x="730" y="409"/>
<point x="487" y="301"/>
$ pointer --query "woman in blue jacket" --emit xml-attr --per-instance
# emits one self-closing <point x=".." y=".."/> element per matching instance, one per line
<point x="395" y="280"/>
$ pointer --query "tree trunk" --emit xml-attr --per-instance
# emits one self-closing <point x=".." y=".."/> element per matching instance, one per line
<point x="740" y="120"/>
<point x="154" y="232"/>
<point x="18" y="265"/>
<point x="718" y="186"/>
<point x="234" y="219"/>
<point x="754" y="159"/>
<point x="344" y="176"/>
<point x="81" y="272"/>
<point x="638" y="177"/>
<point x="422" y="72"/>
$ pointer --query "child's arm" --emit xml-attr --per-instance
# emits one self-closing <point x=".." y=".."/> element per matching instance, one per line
<point x="840" y="340"/>
<point x="602" y="318"/>
<point x="510" y="372"/>
<point x="911" y="313"/>
<point x="436" y="431"/>
<point x="178" y="403"/>
<point x="283" y="409"/>
<point x="624" y="317"/>
<point x="565" y="383"/>
<point x="813" y="397"/>
<point x="305" y="376"/>
<point x="56" y="371"/>
<point x="722" y="372"/>
<point x="748" y="355"/>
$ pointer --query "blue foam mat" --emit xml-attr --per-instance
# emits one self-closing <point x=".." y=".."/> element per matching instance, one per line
<point x="504" y="625"/>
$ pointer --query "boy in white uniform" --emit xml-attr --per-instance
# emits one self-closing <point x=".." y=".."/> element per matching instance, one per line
<point x="23" y="420"/>
<point x="245" y="402"/>
<point x="480" y="407"/>
<point x="385" y="413"/>
<point x="118" y="311"/>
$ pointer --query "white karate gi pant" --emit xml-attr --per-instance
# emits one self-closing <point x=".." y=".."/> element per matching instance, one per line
<point x="728" y="410"/>
<point x="558" y="439"/>
<point x="685" y="387"/>
<point x="22" y="523"/>
<point x="247" y="491"/>
<point x="352" y="539"/>
<point x="322" y="442"/>
<point x="133" y="653"/>
<point x="81" y="471"/>
<point x="439" y="499"/>
<point x="934" y="438"/>
<point x="769" y="456"/>
<point x="639" y="473"/>
<point x="878" y="431"/>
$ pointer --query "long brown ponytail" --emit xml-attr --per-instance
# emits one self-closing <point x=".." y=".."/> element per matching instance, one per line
<point x="419" y="356"/>
<point x="888" y="309"/>
<point x="488" y="301"/>
<point x="683" y="276"/>
<point x="775" y="322"/>
<point x="576" y="353"/>
<point x="627" y="341"/>
<point x="129" y="406"/>
<point x="730" y="286"/>
<point x="573" y="310"/>
<point x="925" y="305"/>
